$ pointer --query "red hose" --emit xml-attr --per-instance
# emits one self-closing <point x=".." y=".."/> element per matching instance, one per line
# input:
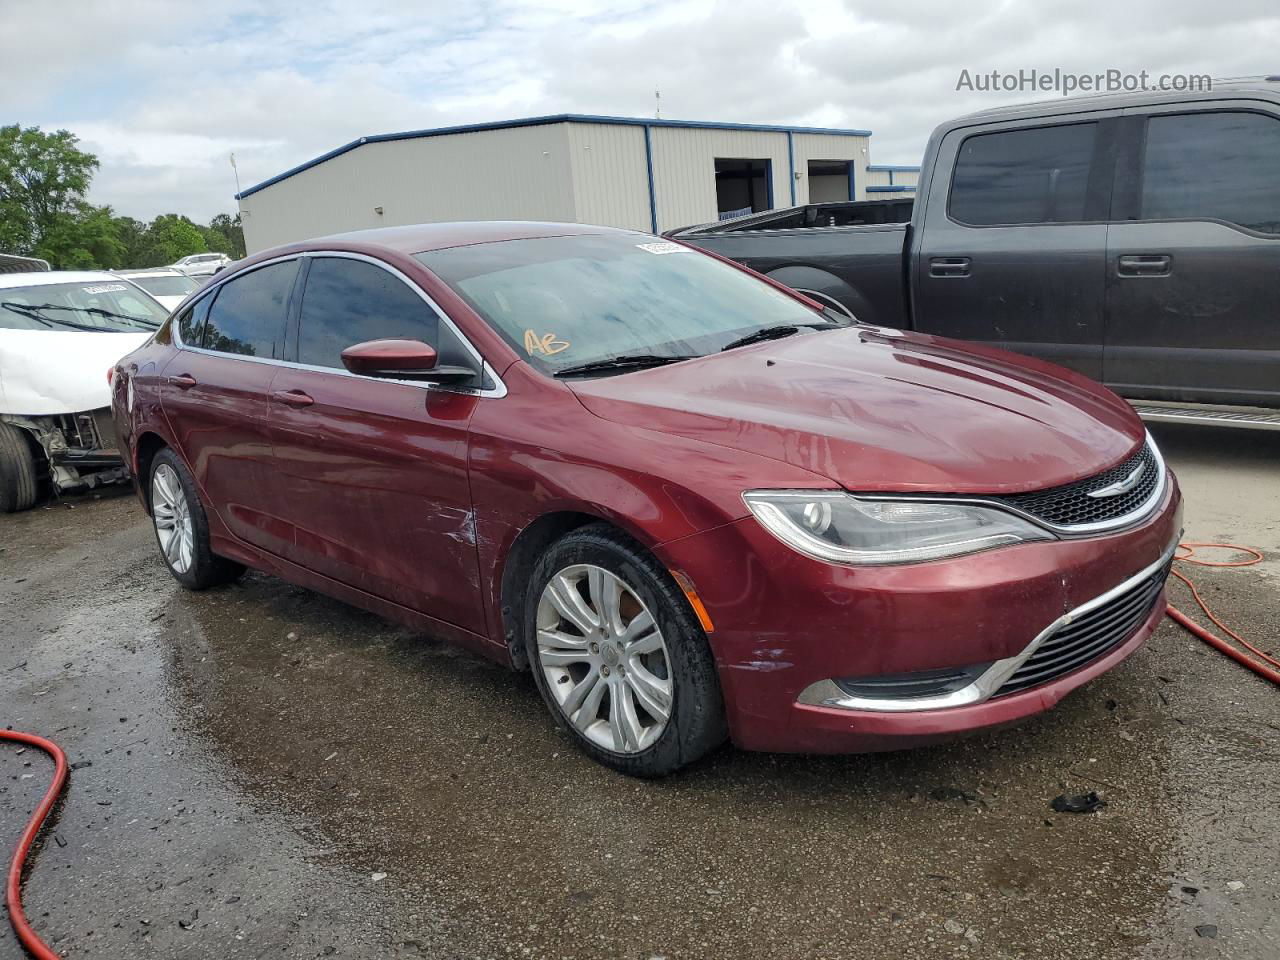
<point x="13" y="888"/>
<point x="1264" y="669"/>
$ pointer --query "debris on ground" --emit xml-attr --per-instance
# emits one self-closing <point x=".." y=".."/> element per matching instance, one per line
<point x="1207" y="930"/>
<point x="1078" y="802"/>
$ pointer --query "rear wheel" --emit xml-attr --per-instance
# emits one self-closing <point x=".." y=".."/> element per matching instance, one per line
<point x="182" y="528"/>
<point x="18" y="486"/>
<point x="619" y="657"/>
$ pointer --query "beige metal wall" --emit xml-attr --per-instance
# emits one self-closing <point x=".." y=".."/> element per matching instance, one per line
<point x="582" y="172"/>
<point x="821" y="146"/>
<point x="684" y="172"/>
<point x="610" y="175"/>
<point x="520" y="173"/>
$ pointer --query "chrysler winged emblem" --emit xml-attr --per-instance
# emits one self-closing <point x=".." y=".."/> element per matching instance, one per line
<point x="1120" y="486"/>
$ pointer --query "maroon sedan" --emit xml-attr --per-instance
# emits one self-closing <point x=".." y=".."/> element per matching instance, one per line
<point x="693" y="503"/>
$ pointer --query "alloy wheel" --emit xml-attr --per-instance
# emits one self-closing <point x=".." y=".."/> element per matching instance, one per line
<point x="172" y="517"/>
<point x="604" y="659"/>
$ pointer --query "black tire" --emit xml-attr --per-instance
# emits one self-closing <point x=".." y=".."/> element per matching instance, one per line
<point x="207" y="569"/>
<point x="18" y="486"/>
<point x="696" y="724"/>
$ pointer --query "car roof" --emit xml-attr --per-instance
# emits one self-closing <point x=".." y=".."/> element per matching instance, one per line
<point x="148" y="272"/>
<point x="423" y="237"/>
<point x="45" y="277"/>
<point x="1246" y="88"/>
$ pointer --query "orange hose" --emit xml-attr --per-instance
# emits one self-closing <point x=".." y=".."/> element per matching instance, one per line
<point x="13" y="888"/>
<point x="1213" y="640"/>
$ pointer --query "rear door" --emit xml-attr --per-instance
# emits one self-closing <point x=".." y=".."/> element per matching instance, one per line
<point x="1012" y="248"/>
<point x="374" y="471"/>
<point x="214" y="395"/>
<point x="1193" y="261"/>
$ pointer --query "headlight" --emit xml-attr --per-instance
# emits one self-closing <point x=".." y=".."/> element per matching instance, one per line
<point x="840" y="528"/>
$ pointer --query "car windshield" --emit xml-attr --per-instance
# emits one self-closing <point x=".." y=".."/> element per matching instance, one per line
<point x="98" y="305"/>
<point x="165" y="285"/>
<point x="567" y="301"/>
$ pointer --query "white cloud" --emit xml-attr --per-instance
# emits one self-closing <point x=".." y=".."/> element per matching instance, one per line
<point x="163" y="90"/>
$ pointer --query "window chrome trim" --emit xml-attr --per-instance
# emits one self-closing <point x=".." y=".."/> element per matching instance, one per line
<point x="825" y="693"/>
<point x="1066" y="532"/>
<point x="495" y="392"/>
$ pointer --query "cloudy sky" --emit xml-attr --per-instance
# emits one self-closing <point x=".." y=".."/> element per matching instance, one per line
<point x="163" y="90"/>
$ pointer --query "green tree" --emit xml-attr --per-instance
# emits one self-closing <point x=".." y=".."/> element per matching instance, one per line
<point x="43" y="181"/>
<point x="169" y="237"/>
<point x="84" y="238"/>
<point x="232" y="230"/>
<point x="131" y="233"/>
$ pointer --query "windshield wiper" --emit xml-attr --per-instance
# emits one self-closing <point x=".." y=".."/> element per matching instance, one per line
<point x="98" y="311"/>
<point x="779" y="331"/>
<point x="635" y="361"/>
<point x="35" y="313"/>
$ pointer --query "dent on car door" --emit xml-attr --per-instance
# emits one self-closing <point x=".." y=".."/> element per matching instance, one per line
<point x="1194" y="259"/>
<point x="374" y="471"/>
<point x="214" y="395"/>
<point x="1012" y="252"/>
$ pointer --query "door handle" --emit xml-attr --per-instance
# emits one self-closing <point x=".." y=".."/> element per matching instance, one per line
<point x="1145" y="265"/>
<point x="943" y="267"/>
<point x="184" y="381"/>
<point x="291" y="398"/>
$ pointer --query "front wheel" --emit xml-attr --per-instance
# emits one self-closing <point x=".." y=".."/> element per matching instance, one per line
<point x="181" y="527"/>
<point x="619" y="657"/>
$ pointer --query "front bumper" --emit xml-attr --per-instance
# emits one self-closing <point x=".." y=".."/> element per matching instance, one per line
<point x="785" y="624"/>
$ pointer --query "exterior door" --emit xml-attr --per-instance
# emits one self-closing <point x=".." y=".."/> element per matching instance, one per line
<point x="1012" y="250"/>
<point x="375" y="471"/>
<point x="215" y="393"/>
<point x="1193" y="260"/>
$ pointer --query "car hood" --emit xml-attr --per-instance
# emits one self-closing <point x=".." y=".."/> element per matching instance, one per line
<point x="881" y="410"/>
<point x="63" y="371"/>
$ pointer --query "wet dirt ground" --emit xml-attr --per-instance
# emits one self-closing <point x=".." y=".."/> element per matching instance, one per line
<point x="269" y="773"/>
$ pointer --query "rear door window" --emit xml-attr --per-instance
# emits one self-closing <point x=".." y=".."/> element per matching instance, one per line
<point x="248" y="315"/>
<point x="1034" y="175"/>
<point x="1213" y="166"/>
<point x="351" y="301"/>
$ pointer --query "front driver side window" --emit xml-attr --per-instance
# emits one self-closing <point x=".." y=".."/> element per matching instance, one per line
<point x="350" y="301"/>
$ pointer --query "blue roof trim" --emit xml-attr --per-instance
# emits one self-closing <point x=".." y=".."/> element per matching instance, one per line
<point x="892" y="168"/>
<point x="539" y="122"/>
<point x="907" y="189"/>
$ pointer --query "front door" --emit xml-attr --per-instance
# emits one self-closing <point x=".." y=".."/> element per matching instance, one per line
<point x="1012" y="249"/>
<point x="375" y="471"/>
<point x="1193" y="260"/>
<point x="214" y="396"/>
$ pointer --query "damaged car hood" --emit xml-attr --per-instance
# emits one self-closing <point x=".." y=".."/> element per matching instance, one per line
<point x="879" y="410"/>
<point x="43" y="373"/>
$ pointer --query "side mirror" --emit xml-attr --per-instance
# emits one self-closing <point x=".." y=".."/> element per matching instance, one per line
<point x="400" y="360"/>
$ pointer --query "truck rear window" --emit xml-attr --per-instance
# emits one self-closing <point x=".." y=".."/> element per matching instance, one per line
<point x="1035" y="175"/>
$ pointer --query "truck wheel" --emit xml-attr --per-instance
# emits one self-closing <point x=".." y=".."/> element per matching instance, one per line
<point x="17" y="471"/>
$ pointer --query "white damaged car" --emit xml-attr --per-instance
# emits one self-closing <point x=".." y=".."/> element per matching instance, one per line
<point x="60" y="332"/>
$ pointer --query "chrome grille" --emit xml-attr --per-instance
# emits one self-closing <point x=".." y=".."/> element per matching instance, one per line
<point x="1089" y="636"/>
<point x="1070" y="504"/>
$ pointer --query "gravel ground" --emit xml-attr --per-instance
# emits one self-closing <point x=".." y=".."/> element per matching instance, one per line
<point x="269" y="773"/>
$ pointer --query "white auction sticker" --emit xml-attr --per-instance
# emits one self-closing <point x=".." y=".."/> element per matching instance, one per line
<point x="664" y="246"/>
<point x="105" y="288"/>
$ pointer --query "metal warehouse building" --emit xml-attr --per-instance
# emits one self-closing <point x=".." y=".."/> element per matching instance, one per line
<point x="619" y="171"/>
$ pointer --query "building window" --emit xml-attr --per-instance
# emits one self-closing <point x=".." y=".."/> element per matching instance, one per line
<point x="830" y="181"/>
<point x="742" y="187"/>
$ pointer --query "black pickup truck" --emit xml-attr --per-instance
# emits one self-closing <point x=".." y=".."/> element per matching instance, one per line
<point x="1134" y="238"/>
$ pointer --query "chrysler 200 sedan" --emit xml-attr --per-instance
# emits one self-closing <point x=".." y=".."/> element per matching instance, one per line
<point x="693" y="503"/>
